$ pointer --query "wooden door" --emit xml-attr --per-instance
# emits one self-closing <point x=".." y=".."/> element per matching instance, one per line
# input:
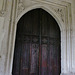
<point x="37" y="45"/>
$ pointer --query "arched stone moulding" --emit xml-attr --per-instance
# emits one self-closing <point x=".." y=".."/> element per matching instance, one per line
<point x="2" y="15"/>
<point x="61" y="13"/>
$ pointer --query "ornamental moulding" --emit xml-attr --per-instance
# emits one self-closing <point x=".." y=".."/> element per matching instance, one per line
<point x="21" y="7"/>
<point x="59" y="9"/>
<point x="3" y="10"/>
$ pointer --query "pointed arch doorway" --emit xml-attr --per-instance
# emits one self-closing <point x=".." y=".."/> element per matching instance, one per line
<point x="37" y="45"/>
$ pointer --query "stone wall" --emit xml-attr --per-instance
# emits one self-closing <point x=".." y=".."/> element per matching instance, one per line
<point x="64" y="13"/>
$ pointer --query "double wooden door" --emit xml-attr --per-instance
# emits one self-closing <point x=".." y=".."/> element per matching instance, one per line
<point x="37" y="46"/>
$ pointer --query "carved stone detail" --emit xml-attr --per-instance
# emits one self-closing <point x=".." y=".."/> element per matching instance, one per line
<point x="3" y="11"/>
<point x="57" y="8"/>
<point x="60" y="13"/>
<point x="21" y="7"/>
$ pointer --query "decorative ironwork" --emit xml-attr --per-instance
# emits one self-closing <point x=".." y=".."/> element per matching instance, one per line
<point x="44" y="40"/>
<point x="35" y="39"/>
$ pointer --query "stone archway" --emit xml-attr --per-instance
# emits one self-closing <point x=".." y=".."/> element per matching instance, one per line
<point x="44" y="39"/>
<point x="57" y="19"/>
<point x="64" y="42"/>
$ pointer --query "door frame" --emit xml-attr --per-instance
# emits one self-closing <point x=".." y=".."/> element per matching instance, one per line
<point x="43" y="35"/>
<point x="65" y="35"/>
